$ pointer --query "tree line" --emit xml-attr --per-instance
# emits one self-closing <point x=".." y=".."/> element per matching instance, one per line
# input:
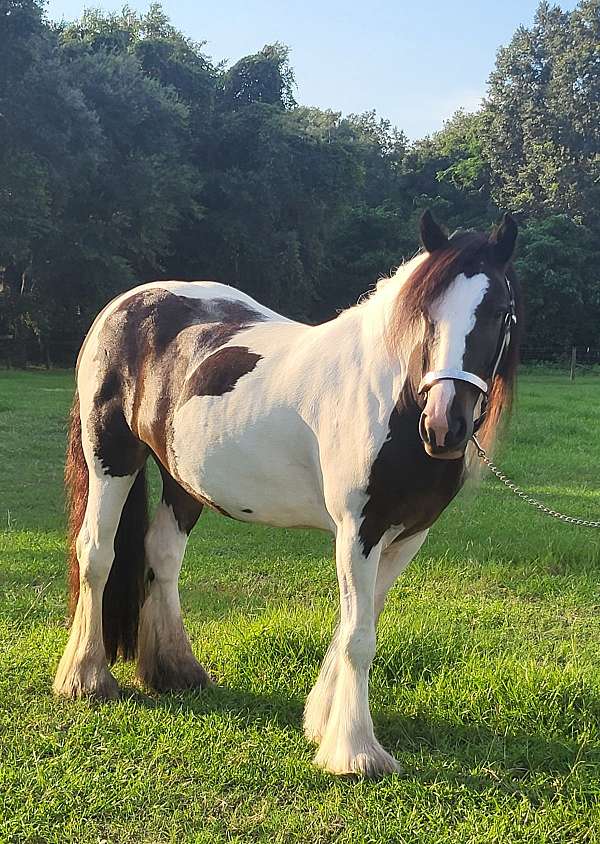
<point x="127" y="154"/>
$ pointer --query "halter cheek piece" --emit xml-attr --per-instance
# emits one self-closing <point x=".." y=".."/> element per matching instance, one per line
<point x="431" y="378"/>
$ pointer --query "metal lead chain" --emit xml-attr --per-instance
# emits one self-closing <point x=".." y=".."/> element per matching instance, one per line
<point x="533" y="502"/>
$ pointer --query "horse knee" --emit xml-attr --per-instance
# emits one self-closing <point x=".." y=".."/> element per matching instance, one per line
<point x="358" y="647"/>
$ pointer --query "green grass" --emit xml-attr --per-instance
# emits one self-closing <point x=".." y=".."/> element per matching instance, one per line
<point x="485" y="686"/>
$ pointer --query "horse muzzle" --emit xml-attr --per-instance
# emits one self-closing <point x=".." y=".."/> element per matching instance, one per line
<point x="447" y="421"/>
<point x="444" y="440"/>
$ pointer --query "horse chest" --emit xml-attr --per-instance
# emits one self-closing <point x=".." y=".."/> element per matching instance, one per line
<point x="406" y="487"/>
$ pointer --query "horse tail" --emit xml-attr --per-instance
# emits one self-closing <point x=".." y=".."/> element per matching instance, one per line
<point x="124" y="591"/>
<point x="76" y="486"/>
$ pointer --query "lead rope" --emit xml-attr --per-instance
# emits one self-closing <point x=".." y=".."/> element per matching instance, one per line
<point x="533" y="502"/>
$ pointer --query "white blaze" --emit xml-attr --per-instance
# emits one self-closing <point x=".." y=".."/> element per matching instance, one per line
<point x="453" y="315"/>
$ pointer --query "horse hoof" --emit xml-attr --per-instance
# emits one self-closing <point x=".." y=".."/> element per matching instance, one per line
<point x="168" y="676"/>
<point x="91" y="682"/>
<point x="371" y="762"/>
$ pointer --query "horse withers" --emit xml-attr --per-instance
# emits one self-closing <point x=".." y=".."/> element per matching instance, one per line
<point x="359" y="426"/>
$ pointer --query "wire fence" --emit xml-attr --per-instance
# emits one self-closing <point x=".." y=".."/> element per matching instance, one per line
<point x="574" y="360"/>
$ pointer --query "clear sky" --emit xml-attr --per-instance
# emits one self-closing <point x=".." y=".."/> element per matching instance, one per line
<point x="414" y="62"/>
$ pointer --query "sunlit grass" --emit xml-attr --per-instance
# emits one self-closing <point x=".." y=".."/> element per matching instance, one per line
<point x="486" y="683"/>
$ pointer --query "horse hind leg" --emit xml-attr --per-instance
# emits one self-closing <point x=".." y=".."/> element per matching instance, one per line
<point x="165" y="658"/>
<point x="105" y="481"/>
<point x="83" y="669"/>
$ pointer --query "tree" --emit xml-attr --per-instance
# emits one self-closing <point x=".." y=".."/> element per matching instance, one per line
<point x="48" y="138"/>
<point x="265" y="77"/>
<point x="558" y="262"/>
<point x="542" y="116"/>
<point x="126" y="155"/>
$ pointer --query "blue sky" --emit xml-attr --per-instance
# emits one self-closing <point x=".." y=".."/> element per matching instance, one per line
<point x="414" y="62"/>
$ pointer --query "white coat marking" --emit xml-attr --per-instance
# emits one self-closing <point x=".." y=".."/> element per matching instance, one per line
<point x="454" y="315"/>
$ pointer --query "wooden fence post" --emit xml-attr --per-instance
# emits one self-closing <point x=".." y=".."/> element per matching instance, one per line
<point x="573" y="362"/>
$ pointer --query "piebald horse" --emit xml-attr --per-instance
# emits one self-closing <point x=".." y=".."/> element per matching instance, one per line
<point x="359" y="426"/>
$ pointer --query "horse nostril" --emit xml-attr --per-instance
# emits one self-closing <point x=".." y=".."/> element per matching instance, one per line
<point x="457" y="431"/>
<point x="424" y="431"/>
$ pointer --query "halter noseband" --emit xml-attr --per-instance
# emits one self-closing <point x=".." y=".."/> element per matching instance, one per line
<point x="433" y="377"/>
<point x="451" y="375"/>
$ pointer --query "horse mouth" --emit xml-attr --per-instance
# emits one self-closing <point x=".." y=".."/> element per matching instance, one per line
<point x="444" y="453"/>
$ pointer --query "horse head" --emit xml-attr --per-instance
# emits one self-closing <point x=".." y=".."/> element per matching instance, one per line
<point x="465" y="296"/>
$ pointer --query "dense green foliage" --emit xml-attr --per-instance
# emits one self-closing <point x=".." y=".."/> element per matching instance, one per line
<point x="126" y="154"/>
<point x="485" y="684"/>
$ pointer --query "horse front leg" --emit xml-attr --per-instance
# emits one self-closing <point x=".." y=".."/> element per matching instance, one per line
<point x="320" y="698"/>
<point x="393" y="560"/>
<point x="348" y="744"/>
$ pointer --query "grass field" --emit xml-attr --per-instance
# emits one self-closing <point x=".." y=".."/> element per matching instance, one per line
<point x="486" y="685"/>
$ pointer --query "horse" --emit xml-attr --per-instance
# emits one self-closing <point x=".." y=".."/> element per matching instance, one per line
<point x="359" y="426"/>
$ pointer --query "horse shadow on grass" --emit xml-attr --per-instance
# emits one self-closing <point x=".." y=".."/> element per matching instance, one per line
<point x="519" y="763"/>
<point x="430" y="749"/>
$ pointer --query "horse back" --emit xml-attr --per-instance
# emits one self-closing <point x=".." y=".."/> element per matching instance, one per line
<point x="143" y="354"/>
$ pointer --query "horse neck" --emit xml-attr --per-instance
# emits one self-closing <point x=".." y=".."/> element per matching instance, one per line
<point x="369" y="323"/>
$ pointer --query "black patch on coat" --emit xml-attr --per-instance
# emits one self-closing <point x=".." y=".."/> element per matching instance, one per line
<point x="219" y="373"/>
<point x="406" y="486"/>
<point x="160" y="316"/>
<point x="186" y="508"/>
<point x="120" y="452"/>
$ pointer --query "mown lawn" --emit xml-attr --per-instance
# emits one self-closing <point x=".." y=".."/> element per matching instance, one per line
<point x="486" y="685"/>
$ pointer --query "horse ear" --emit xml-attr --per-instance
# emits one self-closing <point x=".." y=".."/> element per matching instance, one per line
<point x="433" y="237"/>
<point x="503" y="239"/>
